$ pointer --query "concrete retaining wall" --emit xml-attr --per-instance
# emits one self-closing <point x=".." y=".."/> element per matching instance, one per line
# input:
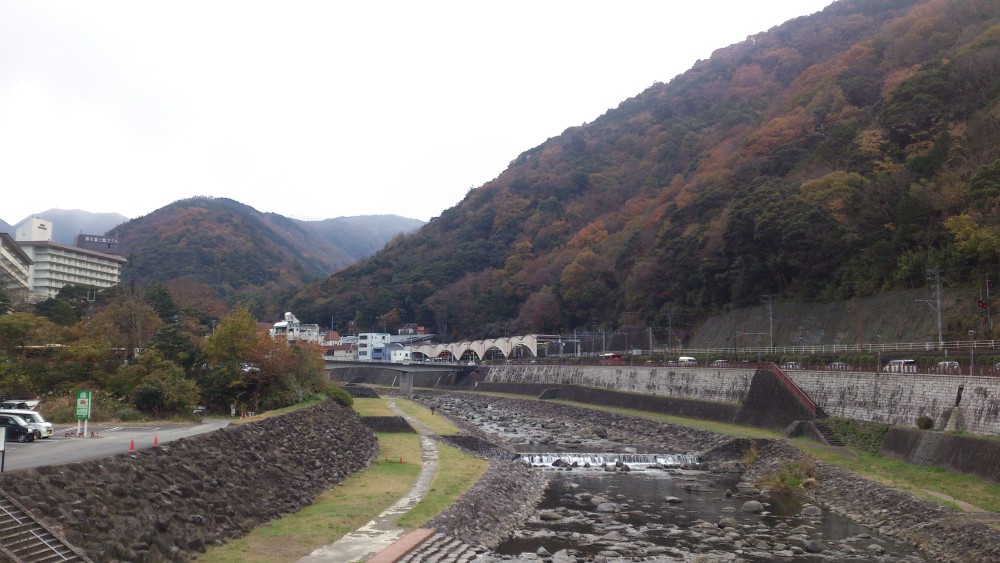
<point x="705" y="410"/>
<point x="704" y="384"/>
<point x="963" y="454"/>
<point x="899" y="399"/>
<point x="896" y="399"/>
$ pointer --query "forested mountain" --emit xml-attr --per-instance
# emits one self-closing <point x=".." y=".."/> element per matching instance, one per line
<point x="213" y="252"/>
<point x="840" y="154"/>
<point x="360" y="237"/>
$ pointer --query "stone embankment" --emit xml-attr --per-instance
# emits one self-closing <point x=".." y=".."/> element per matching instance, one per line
<point x="168" y="503"/>
<point x="939" y="533"/>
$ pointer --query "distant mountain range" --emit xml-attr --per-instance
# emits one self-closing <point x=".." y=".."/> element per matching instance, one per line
<point x="67" y="223"/>
<point x="212" y="252"/>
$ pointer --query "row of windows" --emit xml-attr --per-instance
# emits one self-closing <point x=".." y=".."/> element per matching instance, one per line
<point x="90" y="264"/>
<point x="42" y="270"/>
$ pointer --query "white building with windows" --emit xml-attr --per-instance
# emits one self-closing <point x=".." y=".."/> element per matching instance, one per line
<point x="34" y="229"/>
<point x="15" y="269"/>
<point x="373" y="346"/>
<point x="292" y="330"/>
<point x="57" y="265"/>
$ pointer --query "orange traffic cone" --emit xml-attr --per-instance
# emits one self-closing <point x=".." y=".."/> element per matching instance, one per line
<point x="131" y="447"/>
<point x="156" y="441"/>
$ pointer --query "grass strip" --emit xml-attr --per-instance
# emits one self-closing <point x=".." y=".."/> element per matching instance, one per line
<point x="456" y="473"/>
<point x="336" y="512"/>
<point x="362" y="496"/>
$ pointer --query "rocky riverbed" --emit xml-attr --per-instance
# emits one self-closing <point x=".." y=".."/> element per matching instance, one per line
<point x="712" y="512"/>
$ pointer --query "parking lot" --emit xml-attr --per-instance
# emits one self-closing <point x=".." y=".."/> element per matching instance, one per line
<point x="102" y="440"/>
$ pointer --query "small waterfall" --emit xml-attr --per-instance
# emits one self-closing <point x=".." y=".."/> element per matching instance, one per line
<point x="599" y="459"/>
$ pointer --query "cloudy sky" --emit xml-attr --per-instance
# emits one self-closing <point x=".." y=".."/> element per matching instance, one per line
<point x="316" y="109"/>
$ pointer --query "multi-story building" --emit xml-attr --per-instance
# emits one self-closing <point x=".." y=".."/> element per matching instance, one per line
<point x="294" y="331"/>
<point x="35" y="228"/>
<point x="15" y="267"/>
<point x="57" y="265"/>
<point x="373" y="347"/>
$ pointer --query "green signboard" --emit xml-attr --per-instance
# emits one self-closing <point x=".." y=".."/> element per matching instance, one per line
<point x="83" y="405"/>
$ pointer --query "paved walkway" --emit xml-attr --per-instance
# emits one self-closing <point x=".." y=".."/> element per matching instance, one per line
<point x="970" y="510"/>
<point x="382" y="532"/>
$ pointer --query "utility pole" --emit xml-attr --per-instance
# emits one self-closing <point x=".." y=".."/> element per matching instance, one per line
<point x="670" y="330"/>
<point x="972" y="353"/>
<point x="878" y="353"/>
<point x="989" y="303"/>
<point x="770" y="320"/>
<point x="936" y="274"/>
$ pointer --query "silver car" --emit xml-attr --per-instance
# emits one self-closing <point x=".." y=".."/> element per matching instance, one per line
<point x="34" y="420"/>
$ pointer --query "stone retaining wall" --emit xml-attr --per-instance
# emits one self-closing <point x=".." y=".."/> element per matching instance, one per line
<point x="899" y="398"/>
<point x="963" y="454"/>
<point x="168" y="503"/>
<point x="729" y="385"/>
<point x="896" y="399"/>
<point x="387" y="424"/>
<point x="705" y="410"/>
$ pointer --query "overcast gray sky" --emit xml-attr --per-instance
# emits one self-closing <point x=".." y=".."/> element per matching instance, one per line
<point x="317" y="109"/>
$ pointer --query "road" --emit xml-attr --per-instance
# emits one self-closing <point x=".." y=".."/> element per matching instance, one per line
<point x="109" y="440"/>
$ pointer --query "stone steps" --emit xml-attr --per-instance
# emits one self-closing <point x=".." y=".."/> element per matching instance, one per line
<point x="442" y="548"/>
<point x="827" y="433"/>
<point x="26" y="541"/>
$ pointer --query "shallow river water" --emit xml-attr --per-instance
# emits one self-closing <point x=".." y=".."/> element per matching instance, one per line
<point x="596" y="513"/>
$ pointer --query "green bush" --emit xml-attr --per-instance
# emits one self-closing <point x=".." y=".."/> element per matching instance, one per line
<point x="864" y="436"/>
<point x="128" y="414"/>
<point x="338" y="393"/>
<point x="788" y="476"/>
<point x="925" y="422"/>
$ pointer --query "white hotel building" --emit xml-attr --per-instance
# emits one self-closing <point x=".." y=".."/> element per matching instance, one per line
<point x="56" y="265"/>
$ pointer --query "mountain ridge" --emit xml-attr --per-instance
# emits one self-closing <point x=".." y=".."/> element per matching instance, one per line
<point x="836" y="155"/>
<point x="211" y="252"/>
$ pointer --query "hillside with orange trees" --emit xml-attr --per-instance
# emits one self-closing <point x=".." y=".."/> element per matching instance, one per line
<point x="836" y="155"/>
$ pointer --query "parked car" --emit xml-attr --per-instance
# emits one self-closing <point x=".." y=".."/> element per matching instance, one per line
<point x="16" y="428"/>
<point x="839" y="366"/>
<point x="25" y="404"/>
<point x="34" y="420"/>
<point x="901" y="366"/>
<point x="720" y="364"/>
<point x="948" y="367"/>
<point x="791" y="365"/>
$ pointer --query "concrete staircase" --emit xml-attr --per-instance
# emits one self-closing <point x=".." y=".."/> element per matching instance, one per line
<point x="24" y="540"/>
<point x="828" y="434"/>
<point x="444" y="549"/>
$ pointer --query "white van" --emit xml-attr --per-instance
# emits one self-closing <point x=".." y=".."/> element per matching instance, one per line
<point x="687" y="361"/>
<point x="34" y="420"/>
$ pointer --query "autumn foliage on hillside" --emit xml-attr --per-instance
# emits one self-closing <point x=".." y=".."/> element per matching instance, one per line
<point x="840" y="154"/>
<point x="214" y="252"/>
